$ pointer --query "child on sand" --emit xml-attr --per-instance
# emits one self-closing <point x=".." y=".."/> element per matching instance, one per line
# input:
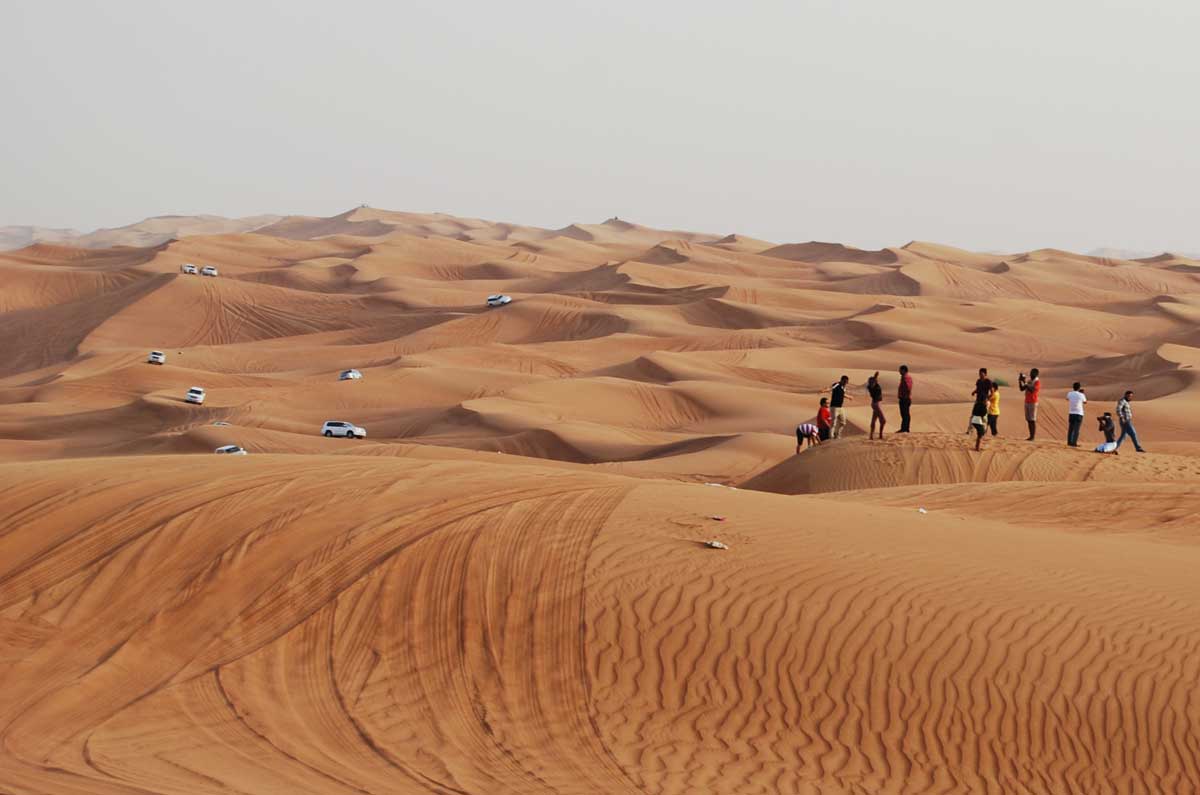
<point x="824" y="419"/>
<point x="993" y="409"/>
<point x="807" y="432"/>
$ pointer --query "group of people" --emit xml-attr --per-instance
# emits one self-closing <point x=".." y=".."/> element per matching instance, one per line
<point x="985" y="413"/>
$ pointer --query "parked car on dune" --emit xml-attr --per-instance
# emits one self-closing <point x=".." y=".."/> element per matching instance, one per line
<point x="189" y="268"/>
<point x="499" y="299"/>
<point x="346" y="429"/>
<point x="157" y="357"/>
<point x="195" y="395"/>
<point x="208" y="270"/>
<point x="231" y="449"/>
<point x="349" y="375"/>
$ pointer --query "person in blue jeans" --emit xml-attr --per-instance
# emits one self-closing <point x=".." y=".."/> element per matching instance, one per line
<point x="1125" y="417"/>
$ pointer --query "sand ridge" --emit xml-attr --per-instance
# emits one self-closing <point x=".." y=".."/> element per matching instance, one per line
<point x="504" y="588"/>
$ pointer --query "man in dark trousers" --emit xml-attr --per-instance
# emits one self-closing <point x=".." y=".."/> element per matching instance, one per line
<point x="904" y="398"/>
<point x="1125" y="417"/>
<point x="1076" y="400"/>
<point x="983" y="390"/>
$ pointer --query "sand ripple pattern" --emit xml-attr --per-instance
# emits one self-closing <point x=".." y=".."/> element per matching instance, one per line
<point x="342" y="625"/>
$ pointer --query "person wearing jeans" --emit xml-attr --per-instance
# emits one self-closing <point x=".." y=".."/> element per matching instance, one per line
<point x="1125" y="417"/>
<point x="1076" y="399"/>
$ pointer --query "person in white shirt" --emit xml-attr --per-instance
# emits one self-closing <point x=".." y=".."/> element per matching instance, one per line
<point x="1076" y="399"/>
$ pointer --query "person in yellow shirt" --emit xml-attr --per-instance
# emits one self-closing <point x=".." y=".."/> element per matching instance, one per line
<point x="993" y="408"/>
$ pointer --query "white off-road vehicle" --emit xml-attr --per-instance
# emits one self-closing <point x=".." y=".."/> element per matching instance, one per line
<point x="499" y="299"/>
<point x="349" y="375"/>
<point x="195" y="395"/>
<point x="189" y="268"/>
<point x="231" y="449"/>
<point x="208" y="270"/>
<point x="346" y="429"/>
<point x="157" y="357"/>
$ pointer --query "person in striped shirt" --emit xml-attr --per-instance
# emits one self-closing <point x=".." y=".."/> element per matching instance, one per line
<point x="807" y="432"/>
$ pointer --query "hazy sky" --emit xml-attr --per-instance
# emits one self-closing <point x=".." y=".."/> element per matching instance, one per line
<point x="1005" y="125"/>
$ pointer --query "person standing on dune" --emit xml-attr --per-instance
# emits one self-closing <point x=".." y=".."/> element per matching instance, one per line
<point x="1125" y="417"/>
<point x="837" y="398"/>
<point x="904" y="398"/>
<point x="824" y="420"/>
<point x="1076" y="400"/>
<point x="993" y="410"/>
<point x="875" y="390"/>
<point x="1032" y="387"/>
<point x="982" y="392"/>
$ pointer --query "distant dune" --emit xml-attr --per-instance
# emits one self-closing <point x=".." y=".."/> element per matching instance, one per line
<point x="150" y="232"/>
<point x="505" y="587"/>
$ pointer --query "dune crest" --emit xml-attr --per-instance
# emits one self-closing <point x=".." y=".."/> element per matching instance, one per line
<point x="507" y="586"/>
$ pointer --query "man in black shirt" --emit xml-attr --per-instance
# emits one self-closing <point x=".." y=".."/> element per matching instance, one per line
<point x="904" y="398"/>
<point x="837" y="397"/>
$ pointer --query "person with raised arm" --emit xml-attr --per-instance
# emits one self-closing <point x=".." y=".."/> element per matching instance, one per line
<point x="1032" y="387"/>
<point x="837" y="399"/>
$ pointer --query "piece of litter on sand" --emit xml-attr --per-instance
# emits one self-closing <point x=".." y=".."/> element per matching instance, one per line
<point x="715" y="545"/>
<point x="717" y="518"/>
<point x="922" y="510"/>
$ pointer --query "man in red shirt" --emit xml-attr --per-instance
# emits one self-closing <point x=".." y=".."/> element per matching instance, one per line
<point x="1033" y="390"/>
<point x="904" y="398"/>
<point x="824" y="420"/>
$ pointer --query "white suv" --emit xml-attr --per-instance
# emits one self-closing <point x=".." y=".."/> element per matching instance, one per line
<point x="230" y="449"/>
<point x="349" y="375"/>
<point x="208" y="270"/>
<point x="157" y="357"/>
<point x="189" y="268"/>
<point x="195" y="395"/>
<point x="347" y="429"/>
<point x="499" y="299"/>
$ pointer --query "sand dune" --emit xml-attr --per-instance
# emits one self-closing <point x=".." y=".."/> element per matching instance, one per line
<point x="149" y="232"/>
<point x="562" y="631"/>
<point x="504" y="588"/>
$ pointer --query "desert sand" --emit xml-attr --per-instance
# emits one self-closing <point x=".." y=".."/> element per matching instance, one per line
<point x="505" y="587"/>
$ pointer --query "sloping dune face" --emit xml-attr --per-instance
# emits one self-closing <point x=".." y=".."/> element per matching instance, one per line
<point x="505" y="588"/>
<point x="331" y="624"/>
